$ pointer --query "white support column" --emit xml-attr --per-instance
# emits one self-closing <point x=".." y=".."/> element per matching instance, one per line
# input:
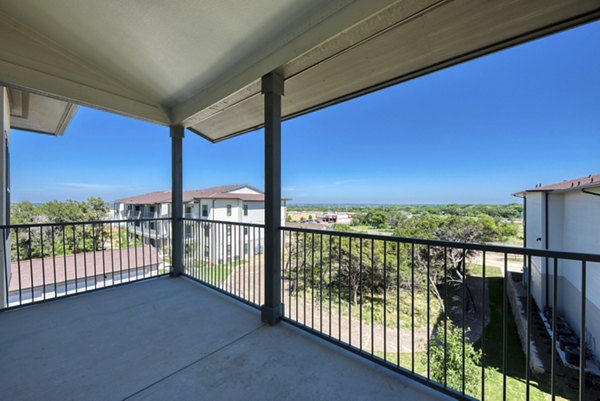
<point x="5" y="266"/>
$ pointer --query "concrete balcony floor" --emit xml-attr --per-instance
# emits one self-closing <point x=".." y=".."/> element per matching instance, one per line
<point x="171" y="339"/>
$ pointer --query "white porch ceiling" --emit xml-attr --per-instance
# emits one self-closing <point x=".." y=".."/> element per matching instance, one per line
<point x="198" y="63"/>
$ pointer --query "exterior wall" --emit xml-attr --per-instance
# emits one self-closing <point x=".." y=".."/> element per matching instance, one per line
<point x="573" y="226"/>
<point x="580" y="233"/>
<point x="256" y="212"/>
<point x="219" y="210"/>
<point x="535" y="228"/>
<point x="5" y="265"/>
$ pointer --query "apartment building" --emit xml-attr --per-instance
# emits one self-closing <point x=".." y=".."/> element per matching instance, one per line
<point x="565" y="216"/>
<point x="224" y="204"/>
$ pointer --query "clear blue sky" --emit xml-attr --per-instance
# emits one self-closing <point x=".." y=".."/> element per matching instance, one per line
<point x="474" y="133"/>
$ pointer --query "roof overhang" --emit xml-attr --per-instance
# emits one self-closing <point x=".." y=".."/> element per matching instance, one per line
<point x="40" y="114"/>
<point x="199" y="63"/>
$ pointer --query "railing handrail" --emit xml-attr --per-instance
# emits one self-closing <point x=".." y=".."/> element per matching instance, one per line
<point x="544" y="253"/>
<point x="72" y="223"/>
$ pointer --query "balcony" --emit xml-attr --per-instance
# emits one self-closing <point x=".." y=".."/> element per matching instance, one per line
<point x="168" y="338"/>
<point x="340" y="303"/>
<point x="355" y="303"/>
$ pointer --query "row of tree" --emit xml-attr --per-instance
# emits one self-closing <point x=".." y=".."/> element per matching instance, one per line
<point x="485" y="228"/>
<point x="51" y="235"/>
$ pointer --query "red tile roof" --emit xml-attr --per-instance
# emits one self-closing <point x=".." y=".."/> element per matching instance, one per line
<point x="220" y="192"/>
<point x="577" y="183"/>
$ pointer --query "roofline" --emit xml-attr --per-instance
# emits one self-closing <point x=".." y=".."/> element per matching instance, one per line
<point x="534" y="190"/>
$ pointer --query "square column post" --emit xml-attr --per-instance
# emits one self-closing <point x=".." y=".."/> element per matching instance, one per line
<point x="176" y="200"/>
<point x="272" y="89"/>
<point x="5" y="263"/>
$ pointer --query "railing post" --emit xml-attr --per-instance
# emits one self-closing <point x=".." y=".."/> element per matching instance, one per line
<point x="272" y="89"/>
<point x="176" y="200"/>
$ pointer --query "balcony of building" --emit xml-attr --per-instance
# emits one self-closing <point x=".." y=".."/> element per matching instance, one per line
<point x="172" y="338"/>
<point x="90" y="315"/>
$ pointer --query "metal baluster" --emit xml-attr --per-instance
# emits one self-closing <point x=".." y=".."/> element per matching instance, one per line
<point x="504" y="327"/>
<point x="112" y="253"/>
<point x="582" y="345"/>
<point x="350" y="291"/>
<point x="372" y="295"/>
<point x="330" y="281"/>
<point x="360" y="281"/>
<point x="312" y="282"/>
<point x="18" y="247"/>
<point x="65" y="257"/>
<point x="43" y="264"/>
<point x="464" y="312"/>
<point x="412" y="306"/>
<point x="30" y="263"/>
<point x="446" y="317"/>
<point x="554" y="336"/>
<point x="483" y="298"/>
<point x="54" y="261"/>
<point x="428" y="314"/>
<point x="528" y="334"/>
<point x="75" y="258"/>
<point x="320" y="283"/>
<point x="398" y="304"/>
<point x="385" y="300"/>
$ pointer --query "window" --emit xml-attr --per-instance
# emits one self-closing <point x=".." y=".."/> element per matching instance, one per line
<point x="137" y="208"/>
<point x="228" y="210"/>
<point x="245" y="230"/>
<point x="152" y="209"/>
<point x="204" y="210"/>
<point x="245" y="210"/>
<point x="152" y="225"/>
<point x="188" y="210"/>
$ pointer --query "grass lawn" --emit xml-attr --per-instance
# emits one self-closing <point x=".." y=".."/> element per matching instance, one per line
<point x="214" y="274"/>
<point x="406" y="360"/>
<point x="377" y="311"/>
<point x="515" y="380"/>
<point x="539" y="386"/>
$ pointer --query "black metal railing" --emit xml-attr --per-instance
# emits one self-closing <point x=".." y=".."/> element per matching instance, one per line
<point x="470" y="320"/>
<point x="227" y="256"/>
<point x="51" y="260"/>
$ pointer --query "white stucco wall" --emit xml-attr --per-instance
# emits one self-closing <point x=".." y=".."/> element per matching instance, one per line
<point x="573" y="226"/>
<point x="534" y="227"/>
<point x="580" y="232"/>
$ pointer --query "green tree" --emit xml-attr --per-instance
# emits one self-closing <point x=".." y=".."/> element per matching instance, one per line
<point x="447" y="360"/>
<point x="376" y="218"/>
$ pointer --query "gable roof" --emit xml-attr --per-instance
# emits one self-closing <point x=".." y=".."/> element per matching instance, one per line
<point x="589" y="181"/>
<point x="218" y="192"/>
